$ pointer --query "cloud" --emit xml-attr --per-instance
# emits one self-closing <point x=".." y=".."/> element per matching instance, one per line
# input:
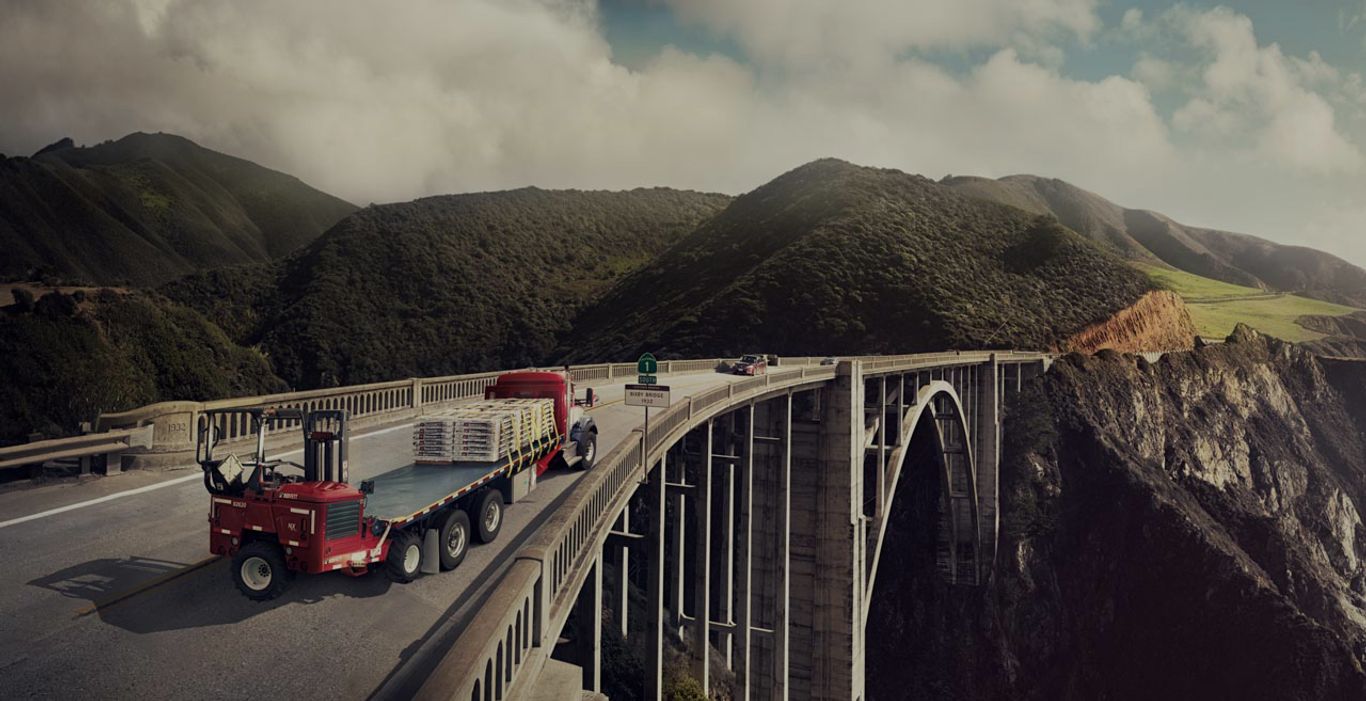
<point x="444" y="96"/>
<point x="806" y="33"/>
<point x="1278" y="105"/>
<point x="432" y="97"/>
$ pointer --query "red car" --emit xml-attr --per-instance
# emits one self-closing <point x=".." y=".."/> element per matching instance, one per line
<point x="750" y="365"/>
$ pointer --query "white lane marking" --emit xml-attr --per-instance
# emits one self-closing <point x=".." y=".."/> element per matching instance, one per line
<point x="159" y="485"/>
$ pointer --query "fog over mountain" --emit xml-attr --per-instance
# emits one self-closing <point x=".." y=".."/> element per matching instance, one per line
<point x="1198" y="113"/>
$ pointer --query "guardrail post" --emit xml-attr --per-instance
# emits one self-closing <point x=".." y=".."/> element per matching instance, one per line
<point x="417" y="393"/>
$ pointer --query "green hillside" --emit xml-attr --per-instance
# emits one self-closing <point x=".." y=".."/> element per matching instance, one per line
<point x="149" y="208"/>
<point x="837" y="258"/>
<point x="70" y="357"/>
<point x="1217" y="307"/>
<point x="1152" y="238"/>
<point x="444" y="285"/>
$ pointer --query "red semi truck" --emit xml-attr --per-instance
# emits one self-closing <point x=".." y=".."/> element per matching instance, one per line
<point x="415" y="518"/>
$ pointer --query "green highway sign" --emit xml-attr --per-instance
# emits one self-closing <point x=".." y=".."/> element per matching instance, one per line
<point x="647" y="380"/>
<point x="647" y="365"/>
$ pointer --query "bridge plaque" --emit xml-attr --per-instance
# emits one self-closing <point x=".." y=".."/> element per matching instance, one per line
<point x="649" y="396"/>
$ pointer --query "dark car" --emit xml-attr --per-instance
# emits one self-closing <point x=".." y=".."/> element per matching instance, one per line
<point x="752" y="364"/>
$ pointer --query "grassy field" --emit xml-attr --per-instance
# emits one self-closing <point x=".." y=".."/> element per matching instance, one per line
<point x="1217" y="306"/>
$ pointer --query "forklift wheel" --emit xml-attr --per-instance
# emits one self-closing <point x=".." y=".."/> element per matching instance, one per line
<point x="405" y="557"/>
<point x="488" y="515"/>
<point x="259" y="571"/>
<point x="455" y="538"/>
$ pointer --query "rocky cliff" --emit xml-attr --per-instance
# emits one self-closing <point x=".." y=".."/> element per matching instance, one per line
<point x="1345" y="336"/>
<point x="1189" y="529"/>
<point x="1158" y="321"/>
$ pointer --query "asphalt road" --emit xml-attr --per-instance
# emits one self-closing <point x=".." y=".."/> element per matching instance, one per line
<point x="114" y="599"/>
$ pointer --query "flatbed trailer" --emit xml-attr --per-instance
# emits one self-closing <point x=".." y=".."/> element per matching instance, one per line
<point x="416" y="518"/>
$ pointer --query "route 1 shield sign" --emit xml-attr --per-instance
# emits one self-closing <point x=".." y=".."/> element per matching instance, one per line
<point x="647" y="365"/>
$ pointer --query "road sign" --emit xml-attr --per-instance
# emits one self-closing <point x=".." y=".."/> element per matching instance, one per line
<point x="647" y="380"/>
<point x="647" y="365"/>
<point x="650" y="396"/>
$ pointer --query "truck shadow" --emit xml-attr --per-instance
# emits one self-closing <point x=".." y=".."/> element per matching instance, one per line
<point x="146" y="595"/>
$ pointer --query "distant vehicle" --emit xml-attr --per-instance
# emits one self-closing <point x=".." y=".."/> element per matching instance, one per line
<point x="752" y="364"/>
<point x="829" y="360"/>
<point x="415" y="518"/>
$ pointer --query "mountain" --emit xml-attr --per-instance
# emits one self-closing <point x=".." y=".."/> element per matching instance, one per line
<point x="149" y="208"/>
<point x="834" y="258"/>
<point x="1187" y="529"/>
<point x="68" y="357"/>
<point x="1146" y="236"/>
<point x="443" y="285"/>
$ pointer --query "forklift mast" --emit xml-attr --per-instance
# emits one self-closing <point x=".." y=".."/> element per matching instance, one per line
<point x="325" y="441"/>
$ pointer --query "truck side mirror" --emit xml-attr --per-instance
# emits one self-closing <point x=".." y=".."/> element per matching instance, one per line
<point x="588" y="396"/>
<point x="367" y="487"/>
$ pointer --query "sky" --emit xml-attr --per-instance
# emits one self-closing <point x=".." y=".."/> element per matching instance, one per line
<point x="1245" y="116"/>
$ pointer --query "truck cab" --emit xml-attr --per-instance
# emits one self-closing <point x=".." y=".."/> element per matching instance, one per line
<point x="578" y="432"/>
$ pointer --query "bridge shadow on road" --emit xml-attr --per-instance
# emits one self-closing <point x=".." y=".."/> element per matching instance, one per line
<point x="147" y="595"/>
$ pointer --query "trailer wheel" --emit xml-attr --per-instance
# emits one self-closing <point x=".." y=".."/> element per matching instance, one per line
<point x="259" y="571"/>
<point x="588" y="449"/>
<point x="488" y="515"/>
<point x="455" y="539"/>
<point x="405" y="558"/>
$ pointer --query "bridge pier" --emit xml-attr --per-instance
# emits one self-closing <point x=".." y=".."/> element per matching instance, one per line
<point x="699" y="632"/>
<point x="744" y="560"/>
<point x="655" y="492"/>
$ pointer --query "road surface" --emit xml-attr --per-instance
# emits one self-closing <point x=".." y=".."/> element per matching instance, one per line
<point x="115" y="596"/>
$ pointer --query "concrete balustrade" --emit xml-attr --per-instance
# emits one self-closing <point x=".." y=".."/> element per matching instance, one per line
<point x="175" y="424"/>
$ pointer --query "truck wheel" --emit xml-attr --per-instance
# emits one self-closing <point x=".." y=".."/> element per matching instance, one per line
<point x="588" y="449"/>
<point x="259" y="571"/>
<point x="405" y="558"/>
<point x="455" y="538"/>
<point x="488" y="515"/>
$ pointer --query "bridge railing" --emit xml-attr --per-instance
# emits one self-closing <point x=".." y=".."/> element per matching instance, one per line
<point x="489" y="660"/>
<point x="174" y="423"/>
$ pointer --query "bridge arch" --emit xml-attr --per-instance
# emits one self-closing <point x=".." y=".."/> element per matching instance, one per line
<point x="938" y="416"/>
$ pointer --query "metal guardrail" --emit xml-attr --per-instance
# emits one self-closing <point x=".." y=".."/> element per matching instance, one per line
<point x="502" y="650"/>
<point x="109" y="444"/>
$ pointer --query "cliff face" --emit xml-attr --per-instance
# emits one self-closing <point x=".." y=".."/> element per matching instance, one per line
<point x="1158" y="321"/>
<point x="1187" y="529"/>
<point x="1345" y="335"/>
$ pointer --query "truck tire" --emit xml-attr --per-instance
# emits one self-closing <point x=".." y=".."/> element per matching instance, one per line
<point x="588" y="449"/>
<point x="259" y="571"/>
<point x="404" y="562"/>
<point x="488" y="515"/>
<point x="455" y="538"/>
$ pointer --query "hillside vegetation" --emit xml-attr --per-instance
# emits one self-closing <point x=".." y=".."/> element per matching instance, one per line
<point x="444" y="285"/>
<point x="149" y="208"/>
<point x="70" y="357"/>
<point x="837" y="258"/>
<point x="1217" y="307"/>
<point x="1149" y="237"/>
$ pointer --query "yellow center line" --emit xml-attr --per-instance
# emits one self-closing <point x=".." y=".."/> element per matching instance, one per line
<point x="149" y="584"/>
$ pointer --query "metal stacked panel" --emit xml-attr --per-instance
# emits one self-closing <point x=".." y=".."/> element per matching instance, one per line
<point x="486" y="431"/>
